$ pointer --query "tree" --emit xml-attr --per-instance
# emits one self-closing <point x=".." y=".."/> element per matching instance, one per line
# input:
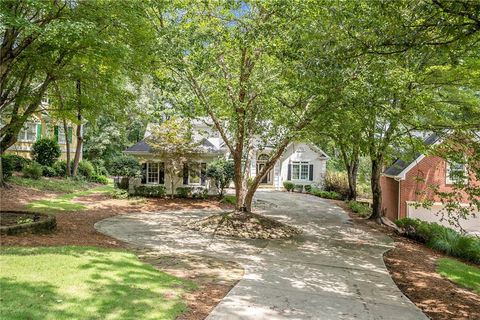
<point x="222" y="173"/>
<point x="245" y="65"/>
<point x="125" y="166"/>
<point x="172" y="141"/>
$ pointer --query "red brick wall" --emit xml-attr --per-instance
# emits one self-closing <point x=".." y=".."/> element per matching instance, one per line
<point x="389" y="197"/>
<point x="432" y="171"/>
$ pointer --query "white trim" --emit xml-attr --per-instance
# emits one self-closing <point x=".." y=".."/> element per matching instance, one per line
<point x="402" y="175"/>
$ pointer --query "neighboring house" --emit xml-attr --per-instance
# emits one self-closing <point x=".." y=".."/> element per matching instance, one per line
<point x="405" y="183"/>
<point x="39" y="126"/>
<point x="302" y="162"/>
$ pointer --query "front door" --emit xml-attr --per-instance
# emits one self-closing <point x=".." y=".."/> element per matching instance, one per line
<point x="265" y="179"/>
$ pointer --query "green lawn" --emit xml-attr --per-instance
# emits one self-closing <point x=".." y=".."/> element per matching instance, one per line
<point x="462" y="274"/>
<point x="64" y="202"/>
<point x="85" y="283"/>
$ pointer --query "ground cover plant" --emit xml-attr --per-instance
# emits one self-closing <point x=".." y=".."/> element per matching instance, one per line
<point x="442" y="238"/>
<point x="460" y="273"/>
<point x="362" y="209"/>
<point x="52" y="184"/>
<point x="85" y="283"/>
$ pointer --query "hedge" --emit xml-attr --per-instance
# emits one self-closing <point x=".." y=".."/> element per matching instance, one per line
<point x="155" y="191"/>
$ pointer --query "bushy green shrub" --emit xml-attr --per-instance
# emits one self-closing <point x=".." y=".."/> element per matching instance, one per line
<point x="222" y="173"/>
<point x="362" y="209"/>
<point x="154" y="191"/>
<point x="229" y="198"/>
<point x="33" y="171"/>
<point x="46" y="151"/>
<point x="8" y="166"/>
<point x="308" y="188"/>
<point x="288" y="186"/>
<point x="125" y="166"/>
<point x="199" y="192"/>
<point x="16" y="161"/>
<point x="60" y="168"/>
<point x="326" y="194"/>
<point x="49" y="171"/>
<point x="298" y="187"/>
<point x="99" y="179"/>
<point x="441" y="238"/>
<point x="118" y="194"/>
<point x="337" y="182"/>
<point x="85" y="169"/>
<point x="183" y="192"/>
<point x="99" y="166"/>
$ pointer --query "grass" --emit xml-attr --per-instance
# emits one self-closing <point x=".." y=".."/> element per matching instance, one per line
<point x="85" y="283"/>
<point x="228" y="198"/>
<point x="64" y="202"/>
<point x="52" y="184"/>
<point x="460" y="273"/>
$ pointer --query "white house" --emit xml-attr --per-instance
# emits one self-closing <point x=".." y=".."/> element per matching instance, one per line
<point x="302" y="162"/>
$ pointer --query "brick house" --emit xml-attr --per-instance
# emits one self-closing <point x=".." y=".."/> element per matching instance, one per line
<point x="405" y="183"/>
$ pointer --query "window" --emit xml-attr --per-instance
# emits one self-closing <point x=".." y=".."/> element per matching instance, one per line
<point x="154" y="173"/>
<point x="196" y="173"/>
<point x="456" y="172"/>
<point x="300" y="170"/>
<point x="28" y="132"/>
<point x="61" y="135"/>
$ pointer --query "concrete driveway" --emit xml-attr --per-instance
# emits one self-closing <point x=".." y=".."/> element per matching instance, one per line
<point x="335" y="270"/>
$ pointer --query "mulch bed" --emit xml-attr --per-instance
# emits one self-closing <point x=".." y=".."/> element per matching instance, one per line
<point x="76" y="228"/>
<point x="413" y="268"/>
<point x="243" y="225"/>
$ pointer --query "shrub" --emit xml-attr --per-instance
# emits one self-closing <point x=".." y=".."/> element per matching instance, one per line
<point x="337" y="182"/>
<point x="99" y="166"/>
<point x="199" y="192"/>
<point x="288" y="186"/>
<point x="221" y="172"/>
<point x="118" y="194"/>
<point x="326" y="194"/>
<point x="33" y="171"/>
<point x="16" y="161"/>
<point x="298" y="187"/>
<point x="229" y="198"/>
<point x="362" y="209"/>
<point x="308" y="188"/>
<point x="99" y="179"/>
<point x="125" y="166"/>
<point x="183" y="192"/>
<point x="48" y="171"/>
<point x="154" y="191"/>
<point x="46" y="151"/>
<point x="8" y="166"/>
<point x="85" y="169"/>
<point x="60" y="168"/>
<point x="441" y="238"/>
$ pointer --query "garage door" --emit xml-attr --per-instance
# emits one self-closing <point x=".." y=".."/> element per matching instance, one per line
<point x="471" y="225"/>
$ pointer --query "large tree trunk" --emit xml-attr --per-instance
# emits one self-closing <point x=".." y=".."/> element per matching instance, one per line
<point x="67" y="144"/>
<point x="2" y="181"/>
<point x="78" y="150"/>
<point x="352" y="174"/>
<point x="239" y="184"/>
<point x="376" y="190"/>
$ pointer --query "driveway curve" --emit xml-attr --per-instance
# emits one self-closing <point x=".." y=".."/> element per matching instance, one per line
<point x="335" y="270"/>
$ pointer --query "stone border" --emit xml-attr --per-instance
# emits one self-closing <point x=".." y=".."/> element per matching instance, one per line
<point x="43" y="226"/>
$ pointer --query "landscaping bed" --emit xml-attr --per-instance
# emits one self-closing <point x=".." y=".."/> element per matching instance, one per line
<point x="415" y="270"/>
<point x="244" y="225"/>
<point x="15" y="222"/>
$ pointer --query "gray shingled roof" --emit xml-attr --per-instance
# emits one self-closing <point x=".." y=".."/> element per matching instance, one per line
<point x="399" y="165"/>
<point x="142" y="146"/>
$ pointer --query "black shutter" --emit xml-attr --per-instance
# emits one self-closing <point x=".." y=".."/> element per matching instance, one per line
<point x="161" y="174"/>
<point x="289" y="172"/>
<point x="144" y="173"/>
<point x="203" y="171"/>
<point x="311" y="173"/>
<point x="185" y="173"/>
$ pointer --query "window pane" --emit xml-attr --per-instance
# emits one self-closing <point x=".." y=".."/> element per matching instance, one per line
<point x="61" y="135"/>
<point x="304" y="173"/>
<point x="194" y="173"/>
<point x="31" y="131"/>
<point x="152" y="173"/>
<point x="295" y="171"/>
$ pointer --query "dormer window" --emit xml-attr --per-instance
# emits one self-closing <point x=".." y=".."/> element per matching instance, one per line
<point x="456" y="173"/>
